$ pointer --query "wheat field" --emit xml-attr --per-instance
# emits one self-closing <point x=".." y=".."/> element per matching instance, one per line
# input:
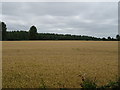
<point x="56" y="64"/>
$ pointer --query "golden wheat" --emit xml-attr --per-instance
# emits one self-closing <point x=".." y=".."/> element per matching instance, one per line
<point x="26" y="64"/>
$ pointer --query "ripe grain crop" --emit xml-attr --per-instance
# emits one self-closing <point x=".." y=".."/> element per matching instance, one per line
<point x="30" y="64"/>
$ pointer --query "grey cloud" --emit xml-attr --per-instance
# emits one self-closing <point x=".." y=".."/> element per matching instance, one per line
<point x="97" y="19"/>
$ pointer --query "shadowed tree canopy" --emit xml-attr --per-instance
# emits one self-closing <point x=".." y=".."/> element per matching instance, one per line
<point x="118" y="37"/>
<point x="109" y="38"/>
<point x="4" y="37"/>
<point x="33" y="33"/>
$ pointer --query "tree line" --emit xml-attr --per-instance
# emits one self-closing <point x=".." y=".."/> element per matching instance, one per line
<point x="32" y="34"/>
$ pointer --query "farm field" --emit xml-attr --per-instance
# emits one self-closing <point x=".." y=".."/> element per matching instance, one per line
<point x="55" y="64"/>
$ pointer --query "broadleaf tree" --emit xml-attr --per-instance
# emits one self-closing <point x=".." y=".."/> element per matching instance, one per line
<point x="4" y="29"/>
<point x="33" y="33"/>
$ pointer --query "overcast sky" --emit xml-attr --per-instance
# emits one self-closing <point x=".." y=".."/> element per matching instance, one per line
<point x="81" y="18"/>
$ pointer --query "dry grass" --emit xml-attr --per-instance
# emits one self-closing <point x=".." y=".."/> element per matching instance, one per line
<point x="58" y="63"/>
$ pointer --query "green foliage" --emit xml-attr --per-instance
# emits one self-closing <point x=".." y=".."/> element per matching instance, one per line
<point x="111" y="84"/>
<point x="24" y="35"/>
<point x="33" y="33"/>
<point x="118" y="37"/>
<point x="87" y="83"/>
<point x="109" y="38"/>
<point x="43" y="84"/>
<point x="50" y="36"/>
<point x="17" y="35"/>
<point x="4" y="37"/>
